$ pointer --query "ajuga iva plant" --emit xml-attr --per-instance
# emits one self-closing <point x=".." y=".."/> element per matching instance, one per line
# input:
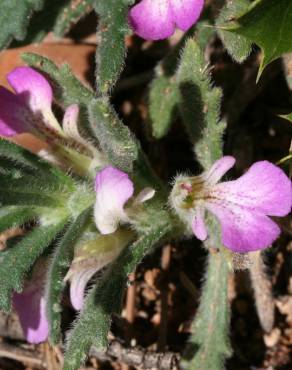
<point x="92" y="203"/>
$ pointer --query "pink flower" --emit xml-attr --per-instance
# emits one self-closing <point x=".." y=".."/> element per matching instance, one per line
<point x="29" y="108"/>
<point x="113" y="189"/>
<point x="157" y="19"/>
<point x="30" y="305"/>
<point x="242" y="206"/>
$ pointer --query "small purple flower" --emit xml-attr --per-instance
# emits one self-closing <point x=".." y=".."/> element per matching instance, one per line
<point x="30" y="305"/>
<point x="242" y="206"/>
<point x="113" y="189"/>
<point x="157" y="19"/>
<point x="29" y="108"/>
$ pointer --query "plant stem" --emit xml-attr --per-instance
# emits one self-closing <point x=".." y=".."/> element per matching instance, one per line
<point x="209" y="343"/>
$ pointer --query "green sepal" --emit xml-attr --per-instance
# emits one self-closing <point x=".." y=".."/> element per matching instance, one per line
<point x="112" y="29"/>
<point x="60" y="264"/>
<point x="17" y="260"/>
<point x="200" y="105"/>
<point x="116" y="140"/>
<point x="106" y="299"/>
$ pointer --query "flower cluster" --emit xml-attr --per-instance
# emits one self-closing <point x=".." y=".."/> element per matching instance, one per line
<point x="243" y="207"/>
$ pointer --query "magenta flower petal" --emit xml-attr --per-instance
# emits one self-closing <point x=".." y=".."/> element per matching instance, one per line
<point x="31" y="308"/>
<point x="71" y="116"/>
<point x="29" y="109"/>
<point x="113" y="189"/>
<point x="78" y="284"/>
<point x="152" y="20"/>
<point x="70" y="123"/>
<point x="242" y="229"/>
<point x="198" y="225"/>
<point x="157" y="19"/>
<point x="34" y="89"/>
<point x="263" y="188"/>
<point x="186" y="12"/>
<point x="242" y="206"/>
<point x="70" y="126"/>
<point x="219" y="168"/>
<point x="12" y="114"/>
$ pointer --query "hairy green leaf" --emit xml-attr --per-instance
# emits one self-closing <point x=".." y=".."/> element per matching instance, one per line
<point x="44" y="21"/>
<point x="238" y="46"/>
<point x="20" y="162"/>
<point x="14" y="18"/>
<point x="200" y="105"/>
<point x="11" y="217"/>
<point x="267" y="23"/>
<point x="16" y="261"/>
<point x="26" y="183"/>
<point x="114" y="137"/>
<point x="21" y="157"/>
<point x="113" y="27"/>
<point x="60" y="264"/>
<point x="106" y="299"/>
<point x="163" y="111"/>
<point x="71" y="14"/>
<point x="25" y="197"/>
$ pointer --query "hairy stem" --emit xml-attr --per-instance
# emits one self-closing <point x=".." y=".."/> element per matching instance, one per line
<point x="209" y="343"/>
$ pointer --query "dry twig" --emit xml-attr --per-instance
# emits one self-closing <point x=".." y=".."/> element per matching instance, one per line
<point x="138" y="357"/>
